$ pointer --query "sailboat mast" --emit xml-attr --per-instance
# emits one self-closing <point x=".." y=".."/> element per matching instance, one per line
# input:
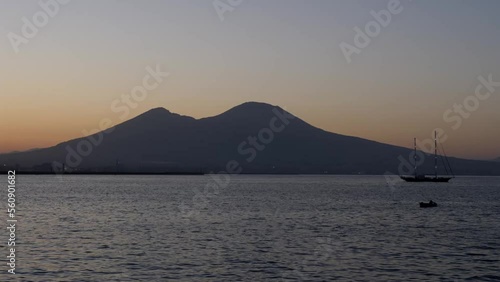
<point x="435" y="155"/>
<point x="415" y="156"/>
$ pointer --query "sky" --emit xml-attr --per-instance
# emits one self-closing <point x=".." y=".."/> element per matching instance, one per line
<point x="428" y="59"/>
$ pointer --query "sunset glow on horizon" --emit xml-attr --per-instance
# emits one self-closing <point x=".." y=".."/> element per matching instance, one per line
<point x="421" y="72"/>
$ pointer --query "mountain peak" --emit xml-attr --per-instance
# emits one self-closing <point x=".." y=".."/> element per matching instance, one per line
<point x="254" y="107"/>
<point x="247" y="109"/>
<point x="158" y="110"/>
<point x="253" y="104"/>
<point x="157" y="115"/>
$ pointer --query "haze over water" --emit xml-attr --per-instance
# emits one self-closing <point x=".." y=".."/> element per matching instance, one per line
<point x="315" y="228"/>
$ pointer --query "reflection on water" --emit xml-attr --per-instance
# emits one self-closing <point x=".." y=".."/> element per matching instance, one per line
<point x="286" y="228"/>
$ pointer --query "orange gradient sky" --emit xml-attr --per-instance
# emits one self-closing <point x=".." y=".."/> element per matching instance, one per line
<point x="284" y="53"/>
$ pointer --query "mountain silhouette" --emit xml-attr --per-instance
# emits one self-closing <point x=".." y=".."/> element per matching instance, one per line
<point x="159" y="140"/>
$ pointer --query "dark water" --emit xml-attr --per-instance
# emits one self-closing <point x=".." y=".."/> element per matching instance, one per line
<point x="258" y="228"/>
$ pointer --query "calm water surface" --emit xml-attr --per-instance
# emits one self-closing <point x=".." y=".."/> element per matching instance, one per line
<point x="258" y="228"/>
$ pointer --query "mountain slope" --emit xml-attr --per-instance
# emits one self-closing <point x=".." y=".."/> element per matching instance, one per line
<point x="159" y="140"/>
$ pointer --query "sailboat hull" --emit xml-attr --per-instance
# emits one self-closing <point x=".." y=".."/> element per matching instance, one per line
<point x="425" y="179"/>
<point x="428" y="178"/>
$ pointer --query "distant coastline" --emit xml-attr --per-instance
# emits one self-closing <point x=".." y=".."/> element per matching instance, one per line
<point x="5" y="172"/>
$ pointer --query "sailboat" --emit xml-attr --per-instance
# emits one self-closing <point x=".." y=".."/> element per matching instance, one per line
<point x="429" y="178"/>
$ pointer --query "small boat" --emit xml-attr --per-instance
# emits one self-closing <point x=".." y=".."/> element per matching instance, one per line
<point x="429" y="178"/>
<point x="430" y="204"/>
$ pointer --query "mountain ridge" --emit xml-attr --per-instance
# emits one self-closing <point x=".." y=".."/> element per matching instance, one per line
<point x="159" y="140"/>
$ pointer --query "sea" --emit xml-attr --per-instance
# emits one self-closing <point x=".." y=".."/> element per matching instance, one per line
<point x="253" y="228"/>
